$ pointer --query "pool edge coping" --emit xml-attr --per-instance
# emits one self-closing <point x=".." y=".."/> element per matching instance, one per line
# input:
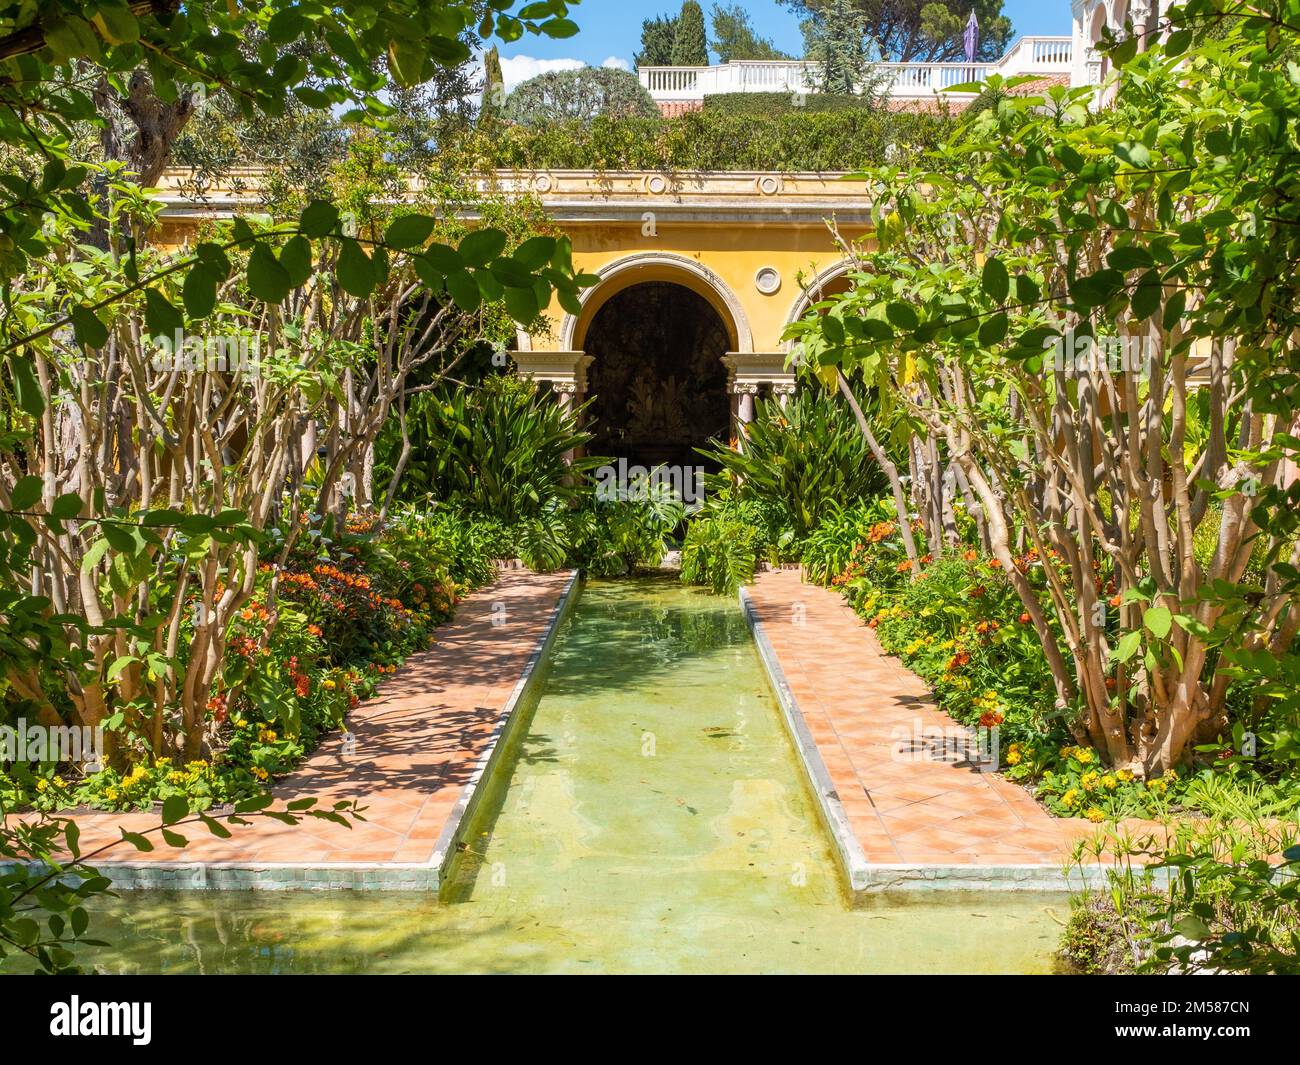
<point x="349" y="876"/>
<point x="863" y="877"/>
<point x="444" y="850"/>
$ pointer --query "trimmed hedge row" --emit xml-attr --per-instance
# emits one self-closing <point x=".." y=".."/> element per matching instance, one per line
<point x="716" y="140"/>
<point x="767" y="103"/>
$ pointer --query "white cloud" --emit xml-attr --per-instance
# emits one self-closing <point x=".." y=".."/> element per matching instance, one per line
<point x="617" y="62"/>
<point x="519" y="68"/>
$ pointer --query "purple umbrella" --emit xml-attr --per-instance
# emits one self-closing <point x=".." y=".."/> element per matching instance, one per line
<point x="971" y="38"/>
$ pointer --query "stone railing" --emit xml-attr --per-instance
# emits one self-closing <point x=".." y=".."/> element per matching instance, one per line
<point x="1029" y="55"/>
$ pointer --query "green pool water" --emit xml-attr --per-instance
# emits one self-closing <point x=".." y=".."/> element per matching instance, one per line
<point x="652" y="817"/>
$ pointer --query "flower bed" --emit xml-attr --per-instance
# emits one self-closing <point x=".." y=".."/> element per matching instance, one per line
<point x="319" y="635"/>
<point x="961" y="627"/>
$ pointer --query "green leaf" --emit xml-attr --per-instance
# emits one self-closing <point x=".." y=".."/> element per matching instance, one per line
<point x="995" y="280"/>
<point x="27" y="386"/>
<point x="1191" y="927"/>
<point x="1158" y="620"/>
<point x="66" y="506"/>
<point x="137" y="841"/>
<point x="464" y="290"/>
<point x="199" y="292"/>
<point x="902" y="315"/>
<point x="355" y="270"/>
<point x="408" y="231"/>
<point x="481" y="246"/>
<point x="26" y="493"/>
<point x="994" y="330"/>
<point x="268" y="281"/>
<point x="161" y="318"/>
<point x="522" y="304"/>
<point x="174" y="809"/>
<point x="296" y="259"/>
<point x="319" y="218"/>
<point x="1128" y="645"/>
<point x="87" y="328"/>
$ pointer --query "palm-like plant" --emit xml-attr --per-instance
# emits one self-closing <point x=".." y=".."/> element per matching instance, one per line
<point x="500" y="449"/>
<point x="803" y="457"/>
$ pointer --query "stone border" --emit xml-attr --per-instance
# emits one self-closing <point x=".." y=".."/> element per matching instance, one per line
<point x="353" y="876"/>
<point x="867" y="878"/>
<point x="853" y="861"/>
<point x="462" y="814"/>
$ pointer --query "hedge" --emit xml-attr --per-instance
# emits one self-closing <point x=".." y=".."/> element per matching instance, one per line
<point x="767" y="103"/>
<point x="716" y="140"/>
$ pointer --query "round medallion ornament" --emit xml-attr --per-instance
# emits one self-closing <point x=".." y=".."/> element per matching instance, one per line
<point x="767" y="280"/>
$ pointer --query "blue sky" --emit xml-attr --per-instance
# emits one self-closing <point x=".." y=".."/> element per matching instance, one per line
<point x="611" y="31"/>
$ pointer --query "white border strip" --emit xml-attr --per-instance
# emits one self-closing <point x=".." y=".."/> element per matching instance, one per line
<point x="852" y="859"/>
<point x="462" y="813"/>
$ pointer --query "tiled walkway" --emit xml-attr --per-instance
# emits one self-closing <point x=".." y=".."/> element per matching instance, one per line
<point x="857" y="701"/>
<point x="414" y="747"/>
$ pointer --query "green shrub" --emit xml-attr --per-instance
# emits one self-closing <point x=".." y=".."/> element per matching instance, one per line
<point x="614" y="538"/>
<point x="719" y="553"/>
<point x="773" y="103"/>
<point x="716" y="140"/>
<point x="579" y="95"/>
<point x="801" y="458"/>
<point x="1095" y="941"/>
<point x="496" y="450"/>
<point x="828" y="549"/>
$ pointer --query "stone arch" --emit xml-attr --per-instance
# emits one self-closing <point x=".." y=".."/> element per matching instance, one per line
<point x="641" y="267"/>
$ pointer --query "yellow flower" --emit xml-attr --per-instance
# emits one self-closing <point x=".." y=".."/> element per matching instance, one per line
<point x="1082" y="755"/>
<point x="1123" y="776"/>
<point x="1093" y="814"/>
<point x="1070" y="799"/>
<point x="1109" y="782"/>
<point x="1089" y="780"/>
<point x="266" y="735"/>
<point x="260" y="773"/>
<point x="42" y="785"/>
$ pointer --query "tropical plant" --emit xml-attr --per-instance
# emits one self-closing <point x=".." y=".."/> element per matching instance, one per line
<point x="613" y="538"/>
<point x="801" y="456"/>
<point x="500" y="449"/>
<point x="719" y="553"/>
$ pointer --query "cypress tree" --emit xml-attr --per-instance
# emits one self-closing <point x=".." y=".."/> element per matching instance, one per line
<point x="691" y="46"/>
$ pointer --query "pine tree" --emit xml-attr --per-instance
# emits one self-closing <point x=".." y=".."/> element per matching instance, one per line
<point x="657" y="36"/>
<point x="835" y="38"/>
<point x="690" y="45"/>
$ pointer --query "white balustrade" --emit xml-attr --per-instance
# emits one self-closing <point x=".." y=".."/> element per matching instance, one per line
<point x="1029" y="55"/>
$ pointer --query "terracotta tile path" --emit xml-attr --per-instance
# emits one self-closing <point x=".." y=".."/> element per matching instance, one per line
<point x="415" y="746"/>
<point x="857" y="701"/>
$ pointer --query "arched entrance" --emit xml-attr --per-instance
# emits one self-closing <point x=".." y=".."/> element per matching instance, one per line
<point x="657" y="378"/>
